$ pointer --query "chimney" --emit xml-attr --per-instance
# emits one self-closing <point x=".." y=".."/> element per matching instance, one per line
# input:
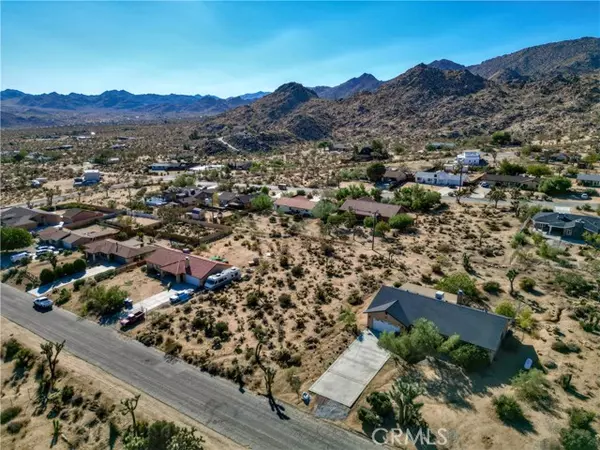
<point x="187" y="264"/>
<point x="460" y="297"/>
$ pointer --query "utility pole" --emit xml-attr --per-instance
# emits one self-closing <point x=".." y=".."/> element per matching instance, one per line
<point x="375" y="214"/>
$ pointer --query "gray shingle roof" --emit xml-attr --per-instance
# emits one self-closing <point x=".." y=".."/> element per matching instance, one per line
<point x="474" y="326"/>
<point x="561" y="220"/>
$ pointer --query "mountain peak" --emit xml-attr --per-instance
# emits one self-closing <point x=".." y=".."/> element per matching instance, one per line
<point x="445" y="64"/>
<point x="364" y="83"/>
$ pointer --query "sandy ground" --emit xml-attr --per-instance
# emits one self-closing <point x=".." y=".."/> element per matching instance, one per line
<point x="91" y="380"/>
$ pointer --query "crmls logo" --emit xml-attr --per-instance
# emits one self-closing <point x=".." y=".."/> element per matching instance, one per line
<point x="397" y="436"/>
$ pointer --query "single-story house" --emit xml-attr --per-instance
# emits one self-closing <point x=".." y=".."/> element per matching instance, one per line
<point x="432" y="293"/>
<point x="79" y="238"/>
<point x="511" y="181"/>
<point x="184" y="267"/>
<point x="295" y="205"/>
<point x="589" y="179"/>
<point x="396" y="310"/>
<point x="121" y="252"/>
<point x="568" y="225"/>
<point x="243" y="165"/>
<point x="235" y="201"/>
<point x="441" y="178"/>
<point x="77" y="215"/>
<point x="27" y="218"/>
<point x="368" y="208"/>
<point x="53" y="236"/>
<point x="469" y="158"/>
<point x="394" y="176"/>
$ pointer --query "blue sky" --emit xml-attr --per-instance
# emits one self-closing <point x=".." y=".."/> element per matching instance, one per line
<point x="228" y="48"/>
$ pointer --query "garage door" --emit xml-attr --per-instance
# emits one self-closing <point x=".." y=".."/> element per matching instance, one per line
<point x="380" y="325"/>
<point x="192" y="280"/>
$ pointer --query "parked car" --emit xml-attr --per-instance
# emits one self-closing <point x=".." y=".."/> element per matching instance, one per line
<point x="19" y="257"/>
<point x="484" y="184"/>
<point x="585" y="196"/>
<point x="133" y="318"/>
<point x="223" y="278"/>
<point x="181" y="296"/>
<point x="43" y="303"/>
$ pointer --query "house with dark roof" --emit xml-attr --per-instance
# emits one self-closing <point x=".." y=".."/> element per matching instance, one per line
<point x="511" y="181"/>
<point x="394" y="176"/>
<point x="568" y="225"/>
<point x="295" y="205"/>
<point x="53" y="236"/>
<point x="396" y="310"/>
<point x="122" y="252"/>
<point x="184" y="267"/>
<point x="589" y="179"/>
<point x="27" y="218"/>
<point x="365" y="207"/>
<point x="77" y="215"/>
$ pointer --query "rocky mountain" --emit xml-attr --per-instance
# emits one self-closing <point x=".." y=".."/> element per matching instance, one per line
<point x="365" y="83"/>
<point x="254" y="96"/>
<point x="445" y="64"/>
<point x="575" y="56"/>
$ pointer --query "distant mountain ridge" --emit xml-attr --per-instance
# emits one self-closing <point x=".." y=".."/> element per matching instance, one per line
<point x="308" y="113"/>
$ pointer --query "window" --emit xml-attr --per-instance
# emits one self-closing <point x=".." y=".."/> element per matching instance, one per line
<point x="568" y="231"/>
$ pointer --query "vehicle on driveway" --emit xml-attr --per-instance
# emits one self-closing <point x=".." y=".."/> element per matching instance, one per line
<point x="181" y="296"/>
<point x="585" y="196"/>
<point x="19" y="256"/>
<point x="484" y="184"/>
<point x="43" y="303"/>
<point x="133" y="318"/>
<point x="223" y="278"/>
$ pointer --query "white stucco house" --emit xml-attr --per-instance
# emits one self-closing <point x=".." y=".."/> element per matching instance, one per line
<point x="441" y="178"/>
<point x="469" y="158"/>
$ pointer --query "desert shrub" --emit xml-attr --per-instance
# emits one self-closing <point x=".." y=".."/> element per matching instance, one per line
<point x="581" y="418"/>
<point x="253" y="299"/>
<point x="470" y="357"/>
<point x="492" y="287"/>
<point x="67" y="269"/>
<point x="105" y="301"/>
<point x="380" y="403"/>
<point x="24" y="358"/>
<point x="78" y="284"/>
<point x="368" y="222"/>
<point x="507" y="309"/>
<point x="423" y="340"/>
<point x="172" y="347"/>
<point x="525" y="319"/>
<point x="47" y="276"/>
<point x="401" y="222"/>
<point x="64" y="296"/>
<point x="573" y="284"/>
<point x="105" y="275"/>
<point x="10" y="348"/>
<point x="368" y="417"/>
<point x="518" y="240"/>
<point x="527" y="284"/>
<point x="79" y="265"/>
<point x="159" y="434"/>
<point x="531" y="385"/>
<point x="354" y="298"/>
<point x="9" y="414"/>
<point x="508" y="408"/>
<point x="297" y="271"/>
<point x="15" y="427"/>
<point x="578" y="439"/>
<point x="66" y="393"/>
<point x="565" y="347"/>
<point x="327" y="249"/>
<point x="285" y="300"/>
<point x="221" y="330"/>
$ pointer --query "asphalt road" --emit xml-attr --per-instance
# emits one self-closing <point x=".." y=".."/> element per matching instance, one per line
<point x="245" y="418"/>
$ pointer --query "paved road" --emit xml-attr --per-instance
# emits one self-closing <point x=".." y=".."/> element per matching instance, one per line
<point x="245" y="418"/>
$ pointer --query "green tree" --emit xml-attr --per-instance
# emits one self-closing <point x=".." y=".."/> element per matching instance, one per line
<point x="501" y="138"/>
<point x="348" y="318"/>
<point x="511" y="275"/>
<point x="459" y="281"/>
<point x="581" y="418"/>
<point x="470" y="357"/>
<point x="508" y="409"/>
<point x="424" y="339"/>
<point x="14" y="238"/>
<point x="417" y="198"/>
<point x="323" y="209"/>
<point x="496" y="195"/>
<point x="401" y="222"/>
<point x="508" y="168"/>
<point x="381" y="228"/>
<point x="104" y="301"/>
<point x="46" y="276"/>
<point x="531" y="385"/>
<point x="578" y="439"/>
<point x="375" y="171"/>
<point x="539" y="170"/>
<point x="294" y="380"/>
<point x="186" y="439"/>
<point x="554" y="185"/>
<point x="403" y="394"/>
<point x="262" y="202"/>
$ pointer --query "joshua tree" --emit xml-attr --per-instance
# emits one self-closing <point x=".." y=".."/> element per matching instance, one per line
<point x="348" y="318"/>
<point x="268" y="372"/>
<point x="496" y="195"/>
<point x="511" y="275"/>
<point x="53" y="260"/>
<point x="403" y="394"/>
<point x="51" y="350"/>
<point x="467" y="262"/>
<point x="128" y="406"/>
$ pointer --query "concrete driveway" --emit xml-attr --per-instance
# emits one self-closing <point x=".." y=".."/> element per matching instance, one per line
<point x="161" y="299"/>
<point x="89" y="272"/>
<point x="350" y="374"/>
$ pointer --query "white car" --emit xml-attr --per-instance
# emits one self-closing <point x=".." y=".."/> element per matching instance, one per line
<point x="584" y="196"/>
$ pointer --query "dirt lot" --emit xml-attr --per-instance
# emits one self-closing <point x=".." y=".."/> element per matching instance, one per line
<point x="81" y="425"/>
